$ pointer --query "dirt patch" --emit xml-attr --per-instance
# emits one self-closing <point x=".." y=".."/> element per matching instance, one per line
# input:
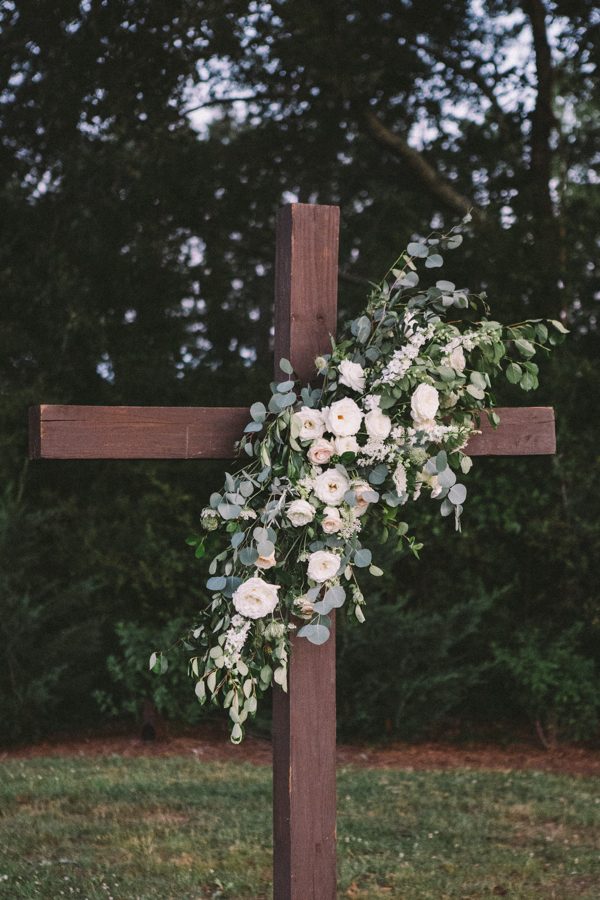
<point x="209" y="743"/>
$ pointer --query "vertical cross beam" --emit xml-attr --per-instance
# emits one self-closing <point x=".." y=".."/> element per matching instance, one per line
<point x="304" y="794"/>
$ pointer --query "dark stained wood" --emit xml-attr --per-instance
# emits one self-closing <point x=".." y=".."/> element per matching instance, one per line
<point x="168" y="432"/>
<point x="523" y="431"/>
<point x="306" y="273"/>
<point x="135" y="432"/>
<point x="304" y="794"/>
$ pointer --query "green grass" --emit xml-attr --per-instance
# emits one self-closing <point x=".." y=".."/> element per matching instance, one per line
<point x="178" y="828"/>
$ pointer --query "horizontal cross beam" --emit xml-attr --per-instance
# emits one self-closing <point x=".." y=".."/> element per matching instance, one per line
<point x="189" y="432"/>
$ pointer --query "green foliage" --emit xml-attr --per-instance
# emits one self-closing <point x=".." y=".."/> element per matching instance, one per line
<point x="557" y="686"/>
<point x="425" y="664"/>
<point x="131" y="681"/>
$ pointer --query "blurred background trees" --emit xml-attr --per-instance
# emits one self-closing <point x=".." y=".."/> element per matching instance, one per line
<point x="145" y="147"/>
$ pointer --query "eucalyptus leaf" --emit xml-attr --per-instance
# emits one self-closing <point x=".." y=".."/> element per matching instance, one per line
<point x="362" y="558"/>
<point x="286" y="366"/>
<point x="457" y="494"/>
<point x="434" y="261"/>
<point x="316" y="634"/>
<point x="217" y="583"/>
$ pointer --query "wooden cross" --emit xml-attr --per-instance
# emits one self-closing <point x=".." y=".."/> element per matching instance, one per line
<point x="306" y="267"/>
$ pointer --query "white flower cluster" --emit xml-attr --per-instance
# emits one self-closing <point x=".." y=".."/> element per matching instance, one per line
<point x="403" y="358"/>
<point x="235" y="638"/>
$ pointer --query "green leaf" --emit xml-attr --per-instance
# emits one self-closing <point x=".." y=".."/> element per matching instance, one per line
<point x="525" y="347"/>
<point x="286" y="366"/>
<point x="258" y="411"/>
<point x="434" y="261"/>
<point x="457" y="494"/>
<point x="362" y="558"/>
<point x="441" y="461"/>
<point x="217" y="583"/>
<point x="559" y="326"/>
<point x="445" y="286"/>
<point x="416" y="248"/>
<point x="316" y="634"/>
<point x="284" y="386"/>
<point x="514" y="373"/>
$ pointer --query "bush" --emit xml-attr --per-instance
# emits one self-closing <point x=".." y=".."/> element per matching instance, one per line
<point x="556" y="685"/>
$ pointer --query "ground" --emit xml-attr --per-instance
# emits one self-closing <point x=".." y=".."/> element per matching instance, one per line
<point x="210" y="743"/>
<point x="189" y="818"/>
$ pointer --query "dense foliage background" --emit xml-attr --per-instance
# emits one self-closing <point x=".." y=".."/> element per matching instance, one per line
<point x="145" y="147"/>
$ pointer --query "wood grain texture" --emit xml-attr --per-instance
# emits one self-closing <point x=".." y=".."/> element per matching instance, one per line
<point x="135" y="432"/>
<point x="523" y="431"/>
<point x="304" y="719"/>
<point x="188" y="432"/>
<point x="306" y="274"/>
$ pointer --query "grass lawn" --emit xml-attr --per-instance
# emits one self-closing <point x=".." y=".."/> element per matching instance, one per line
<point x="179" y="828"/>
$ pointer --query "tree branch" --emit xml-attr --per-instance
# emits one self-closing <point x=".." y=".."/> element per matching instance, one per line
<point x="426" y="173"/>
<point x="543" y="121"/>
<point x="471" y="73"/>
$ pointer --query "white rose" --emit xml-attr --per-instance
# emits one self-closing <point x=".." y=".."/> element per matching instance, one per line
<point x="456" y="359"/>
<point x="400" y="479"/>
<point x="332" y="520"/>
<point x="331" y="486"/>
<point x="266" y="562"/>
<point x="343" y="417"/>
<point x="300" y="512"/>
<point x="347" y="444"/>
<point x="310" y="422"/>
<point x="323" y="565"/>
<point x="352" y="375"/>
<point x="424" y="404"/>
<point x="255" y="598"/>
<point x="378" y="425"/>
<point x="361" y="488"/>
<point x="320" y="452"/>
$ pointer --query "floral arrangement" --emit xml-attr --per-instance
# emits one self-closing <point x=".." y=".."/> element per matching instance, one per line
<point x="397" y="400"/>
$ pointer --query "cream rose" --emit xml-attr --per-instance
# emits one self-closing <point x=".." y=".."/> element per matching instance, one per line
<point x="378" y="425"/>
<point x="323" y="565"/>
<point x="346" y="445"/>
<point x="352" y="375"/>
<point x="255" y="598"/>
<point x="332" y="520"/>
<point x="320" y="452"/>
<point x="331" y="486"/>
<point x="361" y="488"/>
<point x="300" y="512"/>
<point x="343" y="417"/>
<point x="266" y="562"/>
<point x="424" y="404"/>
<point x="311" y="423"/>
